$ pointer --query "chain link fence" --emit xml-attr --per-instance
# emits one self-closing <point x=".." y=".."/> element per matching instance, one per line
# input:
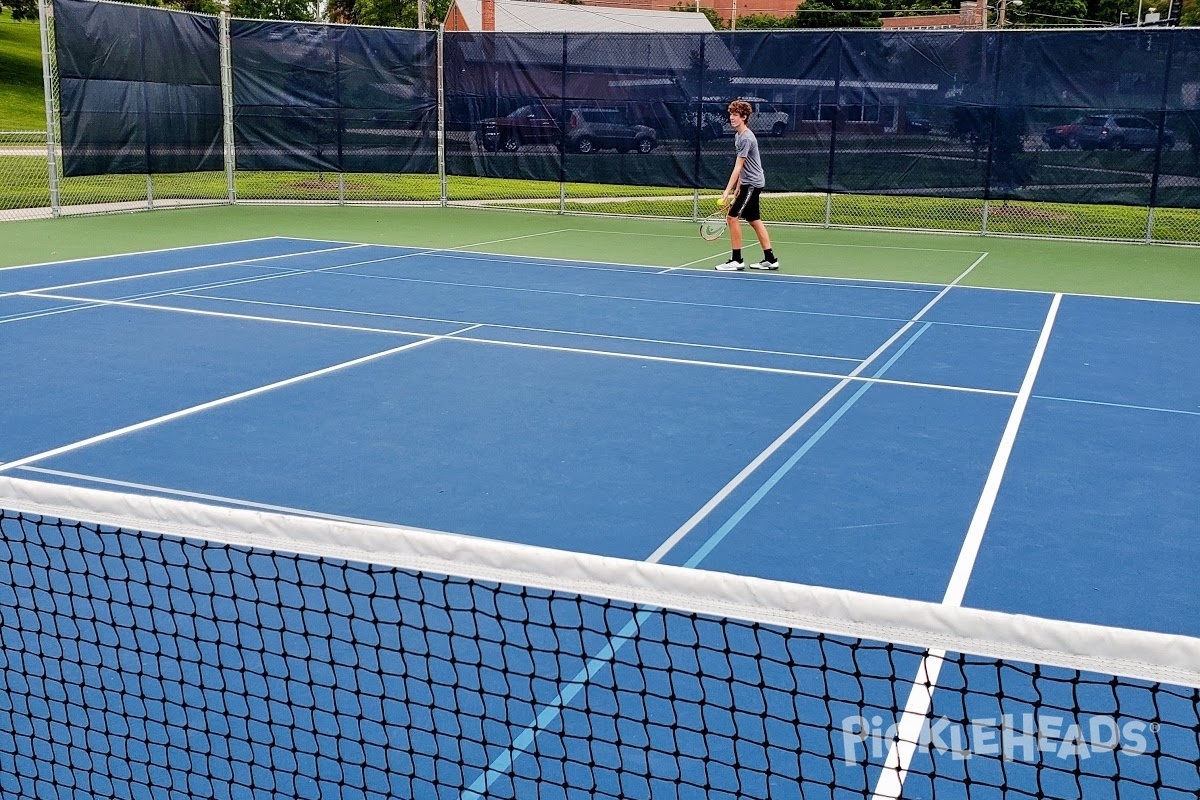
<point x="475" y="171"/>
<point x="25" y="194"/>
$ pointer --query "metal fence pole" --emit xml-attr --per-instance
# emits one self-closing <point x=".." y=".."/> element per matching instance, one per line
<point x="227" y="109"/>
<point x="828" y="207"/>
<point x="441" y="112"/>
<point x="341" y="188"/>
<point x="1156" y="175"/>
<point x="45" y="10"/>
<point x="987" y="205"/>
<point x="150" y="191"/>
<point x="563" y="116"/>
<point x="695" y="205"/>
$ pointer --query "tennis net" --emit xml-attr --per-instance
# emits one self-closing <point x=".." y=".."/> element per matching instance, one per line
<point x="152" y="648"/>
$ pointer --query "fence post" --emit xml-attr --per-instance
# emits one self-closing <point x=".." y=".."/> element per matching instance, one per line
<point x="987" y="205"/>
<point x="1162" y="140"/>
<point x="45" y="10"/>
<point x="833" y="129"/>
<point x="150" y="191"/>
<point x="227" y="108"/>
<point x="563" y="116"/>
<point x="441" y="112"/>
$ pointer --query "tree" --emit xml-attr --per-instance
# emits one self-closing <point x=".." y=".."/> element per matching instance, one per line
<point x="398" y="13"/>
<point x="839" y="14"/>
<point x="1048" y="13"/>
<point x="765" y="22"/>
<point x="713" y="17"/>
<point x="274" y="9"/>
<point x="21" y="9"/>
<point x="1191" y="13"/>
<point x="1112" y="10"/>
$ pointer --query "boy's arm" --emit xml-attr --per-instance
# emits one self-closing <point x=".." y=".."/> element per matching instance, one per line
<point x="733" y="179"/>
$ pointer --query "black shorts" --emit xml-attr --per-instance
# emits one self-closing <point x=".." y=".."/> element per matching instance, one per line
<point x="745" y="205"/>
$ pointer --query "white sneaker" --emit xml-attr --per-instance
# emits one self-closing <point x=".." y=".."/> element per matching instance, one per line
<point x="731" y="266"/>
<point x="764" y="264"/>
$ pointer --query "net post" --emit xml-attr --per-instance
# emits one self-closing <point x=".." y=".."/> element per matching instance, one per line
<point x="987" y="207"/>
<point x="150" y="191"/>
<point x="227" y="108"/>
<point x="45" y="11"/>
<point x="441" y="113"/>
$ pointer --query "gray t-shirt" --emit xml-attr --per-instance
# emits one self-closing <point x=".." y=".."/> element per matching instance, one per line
<point x="747" y="147"/>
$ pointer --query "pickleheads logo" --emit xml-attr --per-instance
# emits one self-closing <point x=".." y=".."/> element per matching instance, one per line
<point x="1027" y="737"/>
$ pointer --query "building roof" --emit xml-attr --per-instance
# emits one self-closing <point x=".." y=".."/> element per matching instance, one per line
<point x="527" y="16"/>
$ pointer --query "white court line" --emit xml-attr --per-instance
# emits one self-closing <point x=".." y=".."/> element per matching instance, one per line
<point x="229" y="315"/>
<point x="503" y="763"/>
<point x="805" y="244"/>
<point x="221" y="401"/>
<point x="614" y="266"/>
<point x="844" y="379"/>
<point x="890" y="785"/>
<point x="152" y="252"/>
<point x="819" y="280"/>
<point x="282" y="273"/>
<point x="230" y="501"/>
<point x="554" y="348"/>
<point x="556" y="331"/>
<point x="737" y="480"/>
<point x="691" y="303"/>
<point x="626" y="298"/>
<point x="178" y="270"/>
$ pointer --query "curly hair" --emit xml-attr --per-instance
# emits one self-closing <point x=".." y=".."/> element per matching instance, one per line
<point x="741" y="108"/>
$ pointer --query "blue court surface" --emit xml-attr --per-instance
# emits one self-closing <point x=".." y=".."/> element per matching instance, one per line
<point x="1015" y="451"/>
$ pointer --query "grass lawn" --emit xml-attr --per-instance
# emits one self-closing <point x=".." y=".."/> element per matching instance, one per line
<point x="22" y="107"/>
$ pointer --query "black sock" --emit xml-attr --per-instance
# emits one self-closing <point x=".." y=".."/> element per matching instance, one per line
<point x="737" y="254"/>
<point x="769" y="254"/>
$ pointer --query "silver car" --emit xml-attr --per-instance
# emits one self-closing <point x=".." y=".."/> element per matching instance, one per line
<point x="1117" y="132"/>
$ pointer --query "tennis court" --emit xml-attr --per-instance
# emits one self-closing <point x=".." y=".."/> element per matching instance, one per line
<point x="931" y="440"/>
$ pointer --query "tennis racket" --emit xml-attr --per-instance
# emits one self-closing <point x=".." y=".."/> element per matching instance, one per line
<point x="713" y="226"/>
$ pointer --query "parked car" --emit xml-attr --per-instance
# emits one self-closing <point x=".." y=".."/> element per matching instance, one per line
<point x="592" y="129"/>
<point x="914" y="123"/>
<point x="1061" y="136"/>
<point x="588" y="130"/>
<point x="1115" y="132"/>
<point x="536" y="123"/>
<point x="766" y="118"/>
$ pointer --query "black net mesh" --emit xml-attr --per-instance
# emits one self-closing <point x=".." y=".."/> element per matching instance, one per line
<point x="139" y="89"/>
<point x="334" y="98"/>
<point x="137" y="665"/>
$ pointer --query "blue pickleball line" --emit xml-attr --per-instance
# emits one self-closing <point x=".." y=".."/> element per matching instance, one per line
<point x="787" y="466"/>
<point x="524" y="740"/>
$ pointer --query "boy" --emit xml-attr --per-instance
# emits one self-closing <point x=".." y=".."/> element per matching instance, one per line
<point x="748" y="176"/>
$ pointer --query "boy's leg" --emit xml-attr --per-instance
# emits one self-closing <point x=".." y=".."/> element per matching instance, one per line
<point x="735" y="262"/>
<point x="760" y="230"/>
<point x="769" y="261"/>
<point x="735" y="232"/>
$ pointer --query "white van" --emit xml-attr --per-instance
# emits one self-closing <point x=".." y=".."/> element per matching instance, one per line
<point x="766" y="118"/>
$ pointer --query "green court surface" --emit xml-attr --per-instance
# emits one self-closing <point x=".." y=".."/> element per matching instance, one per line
<point x="1081" y="267"/>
